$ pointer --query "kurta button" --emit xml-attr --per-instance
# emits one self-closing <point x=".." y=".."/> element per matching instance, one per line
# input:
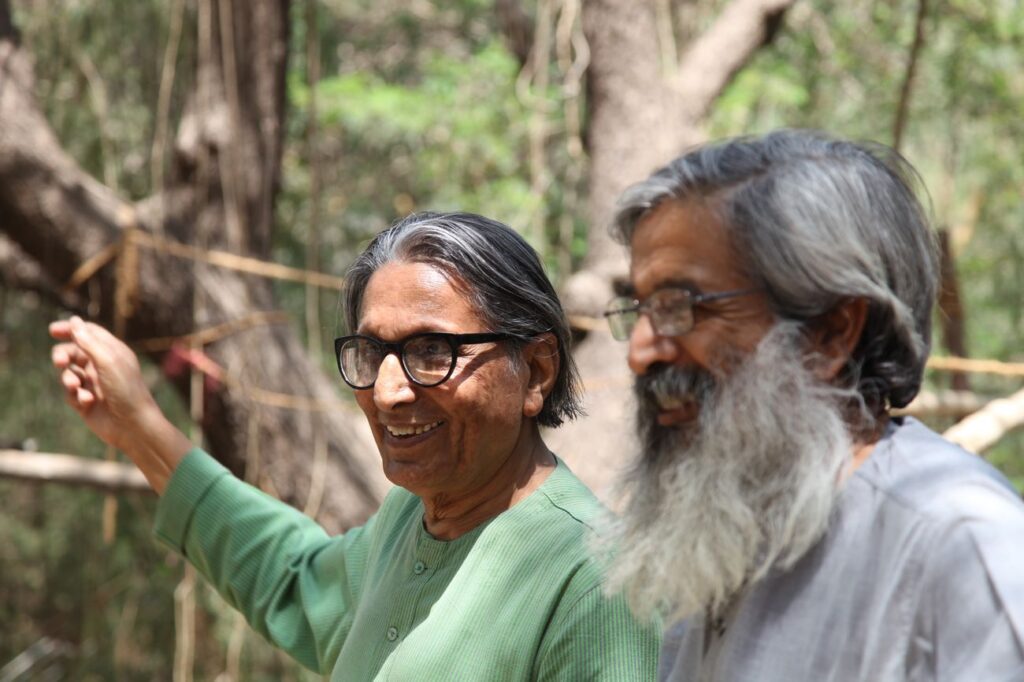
<point x="392" y="633"/>
<point x="419" y="567"/>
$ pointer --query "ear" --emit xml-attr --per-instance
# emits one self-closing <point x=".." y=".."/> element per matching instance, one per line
<point x="834" y="336"/>
<point x="542" y="362"/>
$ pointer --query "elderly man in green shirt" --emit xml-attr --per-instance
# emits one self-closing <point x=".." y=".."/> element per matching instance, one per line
<point x="476" y="566"/>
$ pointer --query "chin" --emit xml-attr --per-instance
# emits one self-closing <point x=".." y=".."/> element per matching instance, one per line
<point x="419" y="479"/>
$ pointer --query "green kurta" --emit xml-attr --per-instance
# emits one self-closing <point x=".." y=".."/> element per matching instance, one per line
<point x="518" y="598"/>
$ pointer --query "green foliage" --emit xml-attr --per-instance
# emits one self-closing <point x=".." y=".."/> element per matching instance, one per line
<point x="98" y="74"/>
<point x="454" y="137"/>
<point x="432" y="121"/>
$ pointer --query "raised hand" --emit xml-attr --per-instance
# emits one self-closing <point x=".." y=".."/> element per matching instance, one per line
<point x="103" y="383"/>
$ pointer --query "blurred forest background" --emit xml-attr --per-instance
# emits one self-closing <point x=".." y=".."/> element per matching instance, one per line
<point x="293" y="131"/>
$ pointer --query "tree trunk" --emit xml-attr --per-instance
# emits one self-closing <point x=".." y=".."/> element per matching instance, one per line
<point x="643" y="113"/>
<point x="219" y="194"/>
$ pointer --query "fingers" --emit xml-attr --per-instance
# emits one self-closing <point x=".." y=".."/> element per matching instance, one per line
<point x="78" y="390"/>
<point x="95" y="366"/>
<point x="80" y="400"/>
<point x="89" y="340"/>
<point x="72" y="380"/>
<point x="86" y="342"/>
<point x="65" y="354"/>
<point x="61" y="330"/>
<point x="85" y="399"/>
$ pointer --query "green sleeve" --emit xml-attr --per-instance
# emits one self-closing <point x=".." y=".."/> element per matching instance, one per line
<point x="595" y="637"/>
<point x="294" y="584"/>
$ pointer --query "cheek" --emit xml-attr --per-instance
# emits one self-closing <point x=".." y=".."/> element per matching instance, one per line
<point x="713" y="352"/>
<point x="365" y="401"/>
<point x="493" y="407"/>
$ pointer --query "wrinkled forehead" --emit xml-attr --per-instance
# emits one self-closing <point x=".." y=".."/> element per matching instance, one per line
<point x="684" y="243"/>
<point x="407" y="297"/>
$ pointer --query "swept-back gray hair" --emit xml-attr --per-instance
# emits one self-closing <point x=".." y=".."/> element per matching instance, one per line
<point x="817" y="220"/>
<point x="503" y="278"/>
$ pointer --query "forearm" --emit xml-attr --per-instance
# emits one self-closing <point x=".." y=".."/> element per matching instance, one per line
<point x="266" y="559"/>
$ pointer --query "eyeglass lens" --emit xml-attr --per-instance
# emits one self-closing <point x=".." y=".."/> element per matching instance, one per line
<point x="427" y="359"/>
<point x="670" y="312"/>
<point x="622" y="316"/>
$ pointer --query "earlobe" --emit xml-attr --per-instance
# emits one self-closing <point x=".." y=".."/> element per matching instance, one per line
<point x="542" y="362"/>
<point x="835" y="335"/>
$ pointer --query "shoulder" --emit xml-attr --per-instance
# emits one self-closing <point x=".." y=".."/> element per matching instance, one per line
<point x="551" y="525"/>
<point x="550" y="532"/>
<point x="926" y="476"/>
<point x="964" y="522"/>
<point x="567" y="497"/>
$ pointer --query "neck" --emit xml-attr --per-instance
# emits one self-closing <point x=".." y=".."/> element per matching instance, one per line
<point x="865" y="444"/>
<point x="447" y="517"/>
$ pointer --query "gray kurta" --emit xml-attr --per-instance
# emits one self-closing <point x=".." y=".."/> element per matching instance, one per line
<point x="920" y="577"/>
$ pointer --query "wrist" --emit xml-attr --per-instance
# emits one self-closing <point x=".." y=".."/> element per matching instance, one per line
<point x="156" y="446"/>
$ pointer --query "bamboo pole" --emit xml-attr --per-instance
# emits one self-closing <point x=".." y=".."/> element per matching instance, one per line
<point x="45" y="467"/>
<point x="987" y="426"/>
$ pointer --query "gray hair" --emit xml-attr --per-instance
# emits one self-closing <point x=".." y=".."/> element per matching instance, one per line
<point x="818" y="220"/>
<point x="503" y="278"/>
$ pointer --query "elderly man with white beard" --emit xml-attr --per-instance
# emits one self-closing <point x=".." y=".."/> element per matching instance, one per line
<point x="779" y="515"/>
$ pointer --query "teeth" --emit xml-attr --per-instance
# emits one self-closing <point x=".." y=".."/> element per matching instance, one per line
<point x="411" y="430"/>
<point x="668" y="401"/>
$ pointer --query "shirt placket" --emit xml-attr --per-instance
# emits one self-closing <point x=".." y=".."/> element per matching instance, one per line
<point x="428" y="556"/>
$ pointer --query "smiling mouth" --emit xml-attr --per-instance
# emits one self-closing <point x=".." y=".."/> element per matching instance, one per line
<point x="675" y="410"/>
<point x="411" y="430"/>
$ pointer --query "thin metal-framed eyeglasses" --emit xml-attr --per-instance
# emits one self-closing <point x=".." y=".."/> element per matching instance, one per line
<point x="428" y="359"/>
<point x="670" y="310"/>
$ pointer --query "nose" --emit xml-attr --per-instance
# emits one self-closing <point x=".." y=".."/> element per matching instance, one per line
<point x="392" y="387"/>
<point x="647" y="348"/>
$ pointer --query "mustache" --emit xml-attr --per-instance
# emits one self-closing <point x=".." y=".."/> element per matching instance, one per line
<point x="658" y="387"/>
<point x="670" y="381"/>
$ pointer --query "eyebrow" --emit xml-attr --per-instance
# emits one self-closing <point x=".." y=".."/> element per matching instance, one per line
<point x="429" y="327"/>
<point x="675" y="283"/>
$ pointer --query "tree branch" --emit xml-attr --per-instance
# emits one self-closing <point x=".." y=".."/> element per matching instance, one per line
<point x="41" y="467"/>
<point x="742" y="28"/>
<point x="957" y="404"/>
<point x="19" y="271"/>
<point x="517" y="27"/>
<point x="987" y="426"/>
<point x="908" y="78"/>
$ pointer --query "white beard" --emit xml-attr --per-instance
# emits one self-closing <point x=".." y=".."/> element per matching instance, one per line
<point x="748" y="488"/>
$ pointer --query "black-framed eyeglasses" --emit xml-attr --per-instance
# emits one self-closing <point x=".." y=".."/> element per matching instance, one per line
<point x="428" y="359"/>
<point x="670" y="310"/>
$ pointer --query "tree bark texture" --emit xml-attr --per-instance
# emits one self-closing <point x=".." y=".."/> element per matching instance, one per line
<point x="219" y="194"/>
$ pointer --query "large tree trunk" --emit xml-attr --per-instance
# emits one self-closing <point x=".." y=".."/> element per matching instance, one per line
<point x="643" y="112"/>
<point x="220" y="192"/>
